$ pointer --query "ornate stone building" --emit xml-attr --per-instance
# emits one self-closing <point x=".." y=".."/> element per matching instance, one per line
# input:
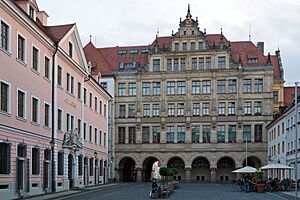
<point x="190" y="101"/>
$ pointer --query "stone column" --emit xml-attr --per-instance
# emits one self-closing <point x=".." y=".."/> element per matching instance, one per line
<point x="138" y="174"/>
<point x="188" y="170"/>
<point x="126" y="135"/>
<point x="213" y="174"/>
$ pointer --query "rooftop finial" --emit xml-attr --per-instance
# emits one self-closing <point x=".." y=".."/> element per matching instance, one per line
<point x="90" y="38"/>
<point x="189" y="12"/>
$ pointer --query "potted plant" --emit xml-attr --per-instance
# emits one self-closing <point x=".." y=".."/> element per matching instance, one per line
<point x="260" y="185"/>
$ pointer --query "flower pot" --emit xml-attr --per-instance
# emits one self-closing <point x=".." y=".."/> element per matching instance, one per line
<point x="261" y="187"/>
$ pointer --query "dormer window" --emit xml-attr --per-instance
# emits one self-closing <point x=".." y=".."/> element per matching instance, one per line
<point x="70" y="49"/>
<point x="31" y="12"/>
<point x="122" y="52"/>
<point x="133" y="51"/>
<point x="145" y="51"/>
<point x="252" y="60"/>
<point x="176" y="46"/>
<point x="184" y="32"/>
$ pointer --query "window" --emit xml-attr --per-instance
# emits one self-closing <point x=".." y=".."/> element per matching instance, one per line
<point x="145" y="134"/>
<point x="184" y="46"/>
<point x="131" y="110"/>
<point x="176" y="46"/>
<point x="122" y="52"/>
<point x="47" y="115"/>
<point x="257" y="108"/>
<point x="221" y="84"/>
<point x="91" y="166"/>
<point x="35" y="110"/>
<point x="180" y="109"/>
<point x="258" y="133"/>
<point x="252" y="60"/>
<point x="180" y="134"/>
<point x="231" y="133"/>
<point x="282" y="146"/>
<point x="35" y="161"/>
<point x="59" y="76"/>
<point x="156" y="134"/>
<point x="5" y="31"/>
<point x="258" y="85"/>
<point x="59" y="119"/>
<point x="31" y="12"/>
<point x="91" y="100"/>
<point x="195" y="87"/>
<point x="104" y="85"/>
<point x="156" y="88"/>
<point x="80" y="158"/>
<point x="21" y="104"/>
<point x="207" y="63"/>
<point x="146" y="110"/>
<point x="104" y="110"/>
<point x="221" y="62"/>
<point x="247" y="133"/>
<point x="145" y="51"/>
<point x="133" y="51"/>
<point x="275" y="96"/>
<point x="5" y="156"/>
<point x="170" y="87"/>
<point x="79" y="90"/>
<point x="248" y="108"/>
<point x="156" y="65"/>
<point x="221" y="133"/>
<point x="122" y="111"/>
<point x="100" y="107"/>
<point x="47" y="68"/>
<point x="122" y="88"/>
<point x="70" y="83"/>
<point x="201" y="63"/>
<point x="146" y="88"/>
<point x="96" y="104"/>
<point x="90" y="133"/>
<point x="181" y="87"/>
<point x="21" y="49"/>
<point x="132" y="135"/>
<point x="231" y="108"/>
<point x="84" y="96"/>
<point x="96" y="136"/>
<point x="171" y="109"/>
<point x="195" y="134"/>
<point x="169" y="64"/>
<point x="194" y="63"/>
<point x="201" y="46"/>
<point x="155" y="110"/>
<point x="170" y="134"/>
<point x="100" y="138"/>
<point x="232" y="86"/>
<point x="79" y="127"/>
<point x="196" y="109"/>
<point x="70" y="122"/>
<point x="84" y="131"/>
<point x="193" y="46"/>
<point x="182" y="64"/>
<point x="176" y="64"/>
<point x="221" y="108"/>
<point x="70" y="49"/>
<point x="247" y="85"/>
<point x="205" y="109"/>
<point x="60" y="163"/>
<point x="132" y="89"/>
<point x="206" y="87"/>
<point x="35" y="58"/>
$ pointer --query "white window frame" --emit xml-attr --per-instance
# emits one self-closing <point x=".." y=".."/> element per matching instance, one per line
<point x="38" y="109"/>
<point x="25" y="103"/>
<point x="62" y="119"/>
<point x="9" y="36"/>
<point x="25" y="47"/>
<point x="38" y="60"/>
<point x="62" y="76"/>
<point x="9" y="97"/>
<point x="72" y="49"/>
<point x="49" y="117"/>
<point x="50" y="64"/>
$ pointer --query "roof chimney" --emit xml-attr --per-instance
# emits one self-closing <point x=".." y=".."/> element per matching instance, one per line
<point x="260" y="46"/>
<point x="42" y="16"/>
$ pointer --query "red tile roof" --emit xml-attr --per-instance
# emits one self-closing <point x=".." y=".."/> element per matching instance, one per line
<point x="289" y="95"/>
<point x="56" y="33"/>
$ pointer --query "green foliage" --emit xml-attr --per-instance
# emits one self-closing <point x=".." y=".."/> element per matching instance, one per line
<point x="258" y="175"/>
<point x="165" y="171"/>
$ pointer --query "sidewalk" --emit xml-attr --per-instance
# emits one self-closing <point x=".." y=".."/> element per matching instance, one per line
<point x="62" y="194"/>
<point x="292" y="193"/>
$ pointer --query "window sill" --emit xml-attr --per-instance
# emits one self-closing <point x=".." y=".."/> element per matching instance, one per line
<point x="60" y="87"/>
<point x="78" y="99"/>
<point x="35" y="123"/>
<point x="69" y="93"/>
<point x="5" y="113"/>
<point x="7" y="52"/>
<point x="47" y="127"/>
<point x="21" y="62"/>
<point x="60" y="131"/>
<point x="21" y="119"/>
<point x="47" y="79"/>
<point x="35" y="71"/>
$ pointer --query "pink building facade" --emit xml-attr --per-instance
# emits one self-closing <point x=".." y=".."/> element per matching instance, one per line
<point x="53" y="113"/>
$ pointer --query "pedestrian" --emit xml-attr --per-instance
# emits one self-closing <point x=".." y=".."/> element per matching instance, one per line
<point x="246" y="184"/>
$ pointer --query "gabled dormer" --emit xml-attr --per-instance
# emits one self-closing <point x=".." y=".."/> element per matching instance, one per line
<point x="29" y="6"/>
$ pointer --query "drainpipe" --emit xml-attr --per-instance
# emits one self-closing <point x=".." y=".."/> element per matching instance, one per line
<point x="52" y="143"/>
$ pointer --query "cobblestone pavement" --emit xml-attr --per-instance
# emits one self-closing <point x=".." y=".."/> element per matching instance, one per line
<point x="187" y="191"/>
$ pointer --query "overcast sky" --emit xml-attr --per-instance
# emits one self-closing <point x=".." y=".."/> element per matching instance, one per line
<point x="135" y="22"/>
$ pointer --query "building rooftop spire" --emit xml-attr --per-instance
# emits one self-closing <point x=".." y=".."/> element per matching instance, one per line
<point x="189" y="12"/>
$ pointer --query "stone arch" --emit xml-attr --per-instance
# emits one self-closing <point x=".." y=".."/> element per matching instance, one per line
<point x="235" y="159"/>
<point x="210" y="161"/>
<point x="179" y="163"/>
<point x="168" y="158"/>
<point x="127" y="169"/>
<point x="200" y="168"/>
<point x="147" y="165"/>
<point x="225" y="165"/>
<point x="118" y="160"/>
<point x="252" y="161"/>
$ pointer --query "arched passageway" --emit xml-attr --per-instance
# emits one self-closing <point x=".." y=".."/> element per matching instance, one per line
<point x="148" y="168"/>
<point x="225" y="167"/>
<point x="177" y="163"/>
<point x="127" y="171"/>
<point x="200" y="169"/>
<point x="253" y="161"/>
